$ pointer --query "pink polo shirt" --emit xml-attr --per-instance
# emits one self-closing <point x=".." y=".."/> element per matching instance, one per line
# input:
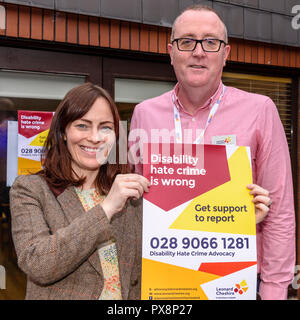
<point x="255" y="122"/>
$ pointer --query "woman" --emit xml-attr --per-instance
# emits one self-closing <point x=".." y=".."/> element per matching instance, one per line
<point x="76" y="234"/>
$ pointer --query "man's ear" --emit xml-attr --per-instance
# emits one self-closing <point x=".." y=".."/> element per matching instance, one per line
<point x="170" y="50"/>
<point x="226" y="54"/>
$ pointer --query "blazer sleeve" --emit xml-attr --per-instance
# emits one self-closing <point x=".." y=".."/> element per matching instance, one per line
<point x="43" y="256"/>
<point x="135" y="283"/>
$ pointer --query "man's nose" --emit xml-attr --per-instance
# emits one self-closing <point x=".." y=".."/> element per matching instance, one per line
<point x="198" y="50"/>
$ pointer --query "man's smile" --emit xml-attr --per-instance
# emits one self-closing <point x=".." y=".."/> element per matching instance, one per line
<point x="197" y="66"/>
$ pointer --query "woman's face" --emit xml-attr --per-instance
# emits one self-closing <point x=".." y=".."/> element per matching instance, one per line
<point x="91" y="138"/>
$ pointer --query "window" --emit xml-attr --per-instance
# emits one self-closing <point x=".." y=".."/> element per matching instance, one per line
<point x="129" y="92"/>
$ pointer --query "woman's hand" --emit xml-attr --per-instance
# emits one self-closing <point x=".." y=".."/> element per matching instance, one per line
<point x="261" y="201"/>
<point x="124" y="187"/>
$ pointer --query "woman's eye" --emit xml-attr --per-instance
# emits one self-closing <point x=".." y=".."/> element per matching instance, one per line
<point x="81" y="126"/>
<point x="106" y="129"/>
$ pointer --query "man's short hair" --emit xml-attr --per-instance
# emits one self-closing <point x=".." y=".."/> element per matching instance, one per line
<point x="199" y="7"/>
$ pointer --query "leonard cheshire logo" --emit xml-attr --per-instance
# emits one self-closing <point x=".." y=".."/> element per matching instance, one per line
<point x="227" y="140"/>
<point x="241" y="287"/>
<point x="232" y="292"/>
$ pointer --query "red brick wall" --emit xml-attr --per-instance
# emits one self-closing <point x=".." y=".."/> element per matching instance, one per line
<point x="42" y="24"/>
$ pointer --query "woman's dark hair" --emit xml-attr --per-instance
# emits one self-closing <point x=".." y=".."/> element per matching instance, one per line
<point x="57" y="166"/>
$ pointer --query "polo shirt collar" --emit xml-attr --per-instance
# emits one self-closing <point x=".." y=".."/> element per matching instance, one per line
<point x="208" y="104"/>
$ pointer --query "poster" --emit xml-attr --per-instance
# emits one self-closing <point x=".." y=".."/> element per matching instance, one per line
<point x="12" y="152"/>
<point x="33" y="128"/>
<point x="199" y="231"/>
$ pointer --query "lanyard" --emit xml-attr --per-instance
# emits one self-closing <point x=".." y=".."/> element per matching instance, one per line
<point x="177" y="121"/>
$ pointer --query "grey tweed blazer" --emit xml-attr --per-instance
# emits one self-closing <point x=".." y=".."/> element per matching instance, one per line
<point x="56" y="242"/>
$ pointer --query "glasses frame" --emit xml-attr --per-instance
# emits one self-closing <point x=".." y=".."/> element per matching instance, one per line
<point x="199" y="41"/>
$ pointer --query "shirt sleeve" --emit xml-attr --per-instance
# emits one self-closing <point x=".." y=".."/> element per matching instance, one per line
<point x="273" y="172"/>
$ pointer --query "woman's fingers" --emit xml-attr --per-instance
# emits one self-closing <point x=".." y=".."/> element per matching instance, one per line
<point x="124" y="187"/>
<point x="132" y="187"/>
<point x="135" y="181"/>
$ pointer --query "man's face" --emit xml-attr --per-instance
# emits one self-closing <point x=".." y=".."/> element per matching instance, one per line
<point x="198" y="69"/>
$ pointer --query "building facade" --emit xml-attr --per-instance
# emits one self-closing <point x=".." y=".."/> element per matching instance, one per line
<point x="48" y="46"/>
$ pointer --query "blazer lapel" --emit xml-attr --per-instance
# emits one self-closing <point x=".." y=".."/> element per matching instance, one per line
<point x="70" y="204"/>
<point x="72" y="208"/>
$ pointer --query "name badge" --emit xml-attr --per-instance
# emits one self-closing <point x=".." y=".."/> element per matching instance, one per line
<point x="223" y="140"/>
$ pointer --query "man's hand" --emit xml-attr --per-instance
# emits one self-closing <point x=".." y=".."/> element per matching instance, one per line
<point x="261" y="201"/>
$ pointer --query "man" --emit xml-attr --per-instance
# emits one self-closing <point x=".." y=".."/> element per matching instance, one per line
<point x="198" y="52"/>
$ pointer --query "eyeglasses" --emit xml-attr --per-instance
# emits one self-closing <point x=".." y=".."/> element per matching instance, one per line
<point x="208" y="45"/>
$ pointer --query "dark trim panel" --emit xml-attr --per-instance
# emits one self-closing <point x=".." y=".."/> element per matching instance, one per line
<point x="134" y="69"/>
<point x="22" y="59"/>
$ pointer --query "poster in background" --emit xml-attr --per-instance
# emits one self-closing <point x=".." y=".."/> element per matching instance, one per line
<point x="12" y="152"/>
<point x="33" y="128"/>
<point x="199" y="231"/>
<point x="3" y="149"/>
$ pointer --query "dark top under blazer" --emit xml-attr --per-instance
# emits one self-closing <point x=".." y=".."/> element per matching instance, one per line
<point x="56" y="242"/>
